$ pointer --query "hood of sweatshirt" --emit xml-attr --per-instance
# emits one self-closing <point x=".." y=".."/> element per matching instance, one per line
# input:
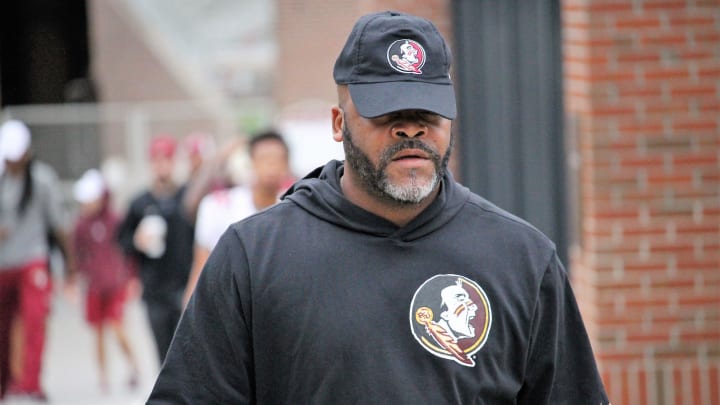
<point x="319" y="193"/>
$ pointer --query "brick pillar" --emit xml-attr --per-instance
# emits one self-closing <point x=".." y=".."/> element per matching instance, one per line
<point x="642" y="97"/>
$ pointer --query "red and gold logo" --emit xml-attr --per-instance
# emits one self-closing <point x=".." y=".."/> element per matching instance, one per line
<point x="450" y="317"/>
<point x="406" y="56"/>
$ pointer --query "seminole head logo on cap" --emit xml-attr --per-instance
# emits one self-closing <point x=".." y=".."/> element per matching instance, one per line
<point x="406" y="56"/>
<point x="450" y="317"/>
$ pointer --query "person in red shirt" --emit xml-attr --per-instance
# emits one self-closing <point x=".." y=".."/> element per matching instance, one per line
<point x="105" y="268"/>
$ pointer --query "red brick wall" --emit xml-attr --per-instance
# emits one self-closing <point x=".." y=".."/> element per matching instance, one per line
<point x="311" y="33"/>
<point x="125" y="68"/>
<point x="642" y="83"/>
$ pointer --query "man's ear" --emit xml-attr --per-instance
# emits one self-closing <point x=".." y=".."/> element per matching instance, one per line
<point x="338" y="123"/>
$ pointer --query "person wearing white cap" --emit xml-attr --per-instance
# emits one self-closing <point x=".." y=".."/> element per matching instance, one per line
<point x="30" y="213"/>
<point x="106" y="270"/>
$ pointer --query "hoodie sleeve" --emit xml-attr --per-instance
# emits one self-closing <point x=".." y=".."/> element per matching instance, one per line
<point x="210" y="358"/>
<point x="560" y="367"/>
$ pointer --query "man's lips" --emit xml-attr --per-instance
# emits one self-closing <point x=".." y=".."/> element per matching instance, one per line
<point x="411" y="154"/>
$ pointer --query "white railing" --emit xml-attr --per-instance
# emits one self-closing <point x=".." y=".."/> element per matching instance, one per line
<point x="75" y="137"/>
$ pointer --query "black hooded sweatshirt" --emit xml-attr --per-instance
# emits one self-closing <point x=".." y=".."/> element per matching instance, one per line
<point x="317" y="301"/>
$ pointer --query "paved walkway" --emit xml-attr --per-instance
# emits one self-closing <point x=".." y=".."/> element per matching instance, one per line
<point x="70" y="369"/>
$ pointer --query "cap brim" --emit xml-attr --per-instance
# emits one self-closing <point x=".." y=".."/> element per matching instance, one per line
<point x="375" y="99"/>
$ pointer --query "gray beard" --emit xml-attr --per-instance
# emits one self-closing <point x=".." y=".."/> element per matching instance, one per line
<point x="375" y="180"/>
<point x="411" y="194"/>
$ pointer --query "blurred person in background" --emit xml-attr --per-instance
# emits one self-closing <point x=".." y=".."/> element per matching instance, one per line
<point x="158" y="233"/>
<point x="31" y="214"/>
<point x="270" y="177"/>
<point x="105" y="269"/>
<point x="199" y="147"/>
<point x="207" y="169"/>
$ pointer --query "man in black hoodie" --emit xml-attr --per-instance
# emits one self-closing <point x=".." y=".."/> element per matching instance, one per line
<point x="380" y="279"/>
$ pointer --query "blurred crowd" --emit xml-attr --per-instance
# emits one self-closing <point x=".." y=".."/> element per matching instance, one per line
<point x="154" y="249"/>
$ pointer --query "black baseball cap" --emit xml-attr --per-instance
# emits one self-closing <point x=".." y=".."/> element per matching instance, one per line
<point x="394" y="61"/>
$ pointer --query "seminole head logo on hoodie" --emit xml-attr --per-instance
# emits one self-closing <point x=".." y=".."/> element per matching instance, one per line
<point x="450" y="317"/>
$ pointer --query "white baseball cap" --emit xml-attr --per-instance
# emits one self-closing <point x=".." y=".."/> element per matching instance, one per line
<point x="14" y="140"/>
<point x="90" y="187"/>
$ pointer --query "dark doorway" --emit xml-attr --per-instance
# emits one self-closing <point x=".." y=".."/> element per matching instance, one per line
<point x="43" y="48"/>
<point x="44" y="59"/>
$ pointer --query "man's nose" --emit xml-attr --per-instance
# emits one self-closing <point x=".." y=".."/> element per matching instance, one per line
<point x="409" y="129"/>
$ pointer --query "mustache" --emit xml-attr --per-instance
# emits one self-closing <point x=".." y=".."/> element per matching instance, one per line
<point x="409" y="144"/>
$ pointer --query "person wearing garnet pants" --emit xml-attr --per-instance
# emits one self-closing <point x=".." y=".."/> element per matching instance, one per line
<point x="30" y="213"/>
